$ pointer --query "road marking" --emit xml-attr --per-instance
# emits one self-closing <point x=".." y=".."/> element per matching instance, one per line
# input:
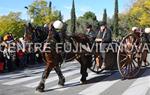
<point x="98" y="88"/>
<point x="17" y="81"/>
<point x="28" y="73"/>
<point x="21" y="80"/>
<point x="20" y="73"/>
<point x="66" y="74"/>
<point x="40" y="70"/>
<point x="73" y="82"/>
<point x="9" y="76"/>
<point x="140" y="86"/>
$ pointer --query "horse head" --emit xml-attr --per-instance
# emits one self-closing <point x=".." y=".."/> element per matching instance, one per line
<point x="29" y="29"/>
<point x="35" y="34"/>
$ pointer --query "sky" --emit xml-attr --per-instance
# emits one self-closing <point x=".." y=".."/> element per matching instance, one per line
<point x="82" y="6"/>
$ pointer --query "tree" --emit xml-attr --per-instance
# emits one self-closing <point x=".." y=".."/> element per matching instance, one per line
<point x="50" y="5"/>
<point x="116" y="25"/>
<point x="12" y="23"/>
<point x="105" y="16"/>
<point x="73" y="18"/>
<point x="88" y="18"/>
<point x="89" y="15"/>
<point x="83" y="21"/>
<point x="82" y="24"/>
<point x="68" y="23"/>
<point x="140" y="13"/>
<point x="124" y="25"/>
<point x="41" y="13"/>
<point x="60" y="16"/>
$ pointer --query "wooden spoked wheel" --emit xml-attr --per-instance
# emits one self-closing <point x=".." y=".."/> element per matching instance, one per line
<point x="129" y="56"/>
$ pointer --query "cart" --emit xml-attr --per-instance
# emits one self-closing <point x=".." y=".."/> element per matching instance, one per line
<point x="128" y="58"/>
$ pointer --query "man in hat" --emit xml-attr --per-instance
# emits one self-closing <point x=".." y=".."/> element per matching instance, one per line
<point x="104" y="37"/>
<point x="90" y="33"/>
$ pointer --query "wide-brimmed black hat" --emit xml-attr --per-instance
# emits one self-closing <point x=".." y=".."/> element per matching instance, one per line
<point x="89" y="26"/>
<point x="103" y="23"/>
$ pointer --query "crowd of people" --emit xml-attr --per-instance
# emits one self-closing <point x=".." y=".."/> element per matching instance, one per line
<point x="10" y="61"/>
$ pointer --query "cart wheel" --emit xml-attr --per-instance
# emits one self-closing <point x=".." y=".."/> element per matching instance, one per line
<point x="129" y="57"/>
<point x="96" y="64"/>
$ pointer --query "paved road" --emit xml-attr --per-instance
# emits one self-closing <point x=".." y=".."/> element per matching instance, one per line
<point x="108" y="83"/>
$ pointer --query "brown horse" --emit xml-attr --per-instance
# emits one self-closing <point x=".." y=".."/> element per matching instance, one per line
<point x="51" y="58"/>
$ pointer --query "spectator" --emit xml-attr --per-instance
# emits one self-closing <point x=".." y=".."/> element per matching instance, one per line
<point x="21" y="57"/>
<point x="7" y="59"/>
<point x="2" y="65"/>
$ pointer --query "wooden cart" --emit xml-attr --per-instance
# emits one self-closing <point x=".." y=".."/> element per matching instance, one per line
<point x="128" y="58"/>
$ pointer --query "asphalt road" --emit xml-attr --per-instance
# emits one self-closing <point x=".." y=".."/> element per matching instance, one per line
<point x="108" y="83"/>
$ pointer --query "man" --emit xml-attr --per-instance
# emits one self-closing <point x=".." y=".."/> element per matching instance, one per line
<point x="55" y="31"/>
<point x="104" y="37"/>
<point x="136" y="31"/>
<point x="90" y="32"/>
<point x="52" y="58"/>
<point x="6" y="36"/>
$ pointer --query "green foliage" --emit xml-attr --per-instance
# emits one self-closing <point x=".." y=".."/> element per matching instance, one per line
<point x="50" y="5"/>
<point x="115" y="24"/>
<point x="12" y="23"/>
<point x="41" y="13"/>
<point x="105" y="16"/>
<point x="73" y="18"/>
<point x="83" y="21"/>
<point x="124" y="25"/>
<point x="68" y="23"/>
<point x="140" y="13"/>
<point x="89" y="15"/>
<point x="60" y="17"/>
<point x="89" y="18"/>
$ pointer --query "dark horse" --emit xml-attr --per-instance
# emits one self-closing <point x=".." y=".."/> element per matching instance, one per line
<point x="51" y="58"/>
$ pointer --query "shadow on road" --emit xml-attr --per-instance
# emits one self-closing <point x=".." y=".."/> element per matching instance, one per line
<point x="105" y="77"/>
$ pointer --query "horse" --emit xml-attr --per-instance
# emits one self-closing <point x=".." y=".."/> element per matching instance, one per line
<point x="51" y="58"/>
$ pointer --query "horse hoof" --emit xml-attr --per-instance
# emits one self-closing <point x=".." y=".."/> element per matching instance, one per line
<point x="38" y="92"/>
<point x="40" y="88"/>
<point x="83" y="82"/>
<point x="123" y="78"/>
<point x="61" y="82"/>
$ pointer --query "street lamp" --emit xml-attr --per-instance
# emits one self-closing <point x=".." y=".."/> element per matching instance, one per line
<point x="28" y="18"/>
<point x="26" y="7"/>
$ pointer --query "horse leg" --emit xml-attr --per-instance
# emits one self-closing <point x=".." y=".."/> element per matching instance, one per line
<point x="84" y="74"/>
<point x="49" y="66"/>
<point x="45" y="75"/>
<point x="83" y="70"/>
<point x="60" y="75"/>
